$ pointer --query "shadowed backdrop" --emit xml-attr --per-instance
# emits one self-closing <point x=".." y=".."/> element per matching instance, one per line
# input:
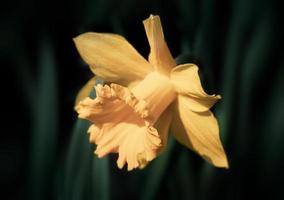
<point x="45" y="153"/>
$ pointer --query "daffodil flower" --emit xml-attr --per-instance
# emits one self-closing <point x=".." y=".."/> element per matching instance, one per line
<point x="132" y="115"/>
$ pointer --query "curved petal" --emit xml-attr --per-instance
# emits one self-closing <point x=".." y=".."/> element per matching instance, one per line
<point x="85" y="90"/>
<point x="160" y="56"/>
<point x="111" y="57"/>
<point x="186" y="81"/>
<point x="121" y="126"/>
<point x="200" y="132"/>
<point x="163" y="125"/>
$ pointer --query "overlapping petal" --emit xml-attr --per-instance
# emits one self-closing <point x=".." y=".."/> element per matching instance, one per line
<point x="111" y="57"/>
<point x="163" y="126"/>
<point x="198" y="131"/>
<point x="134" y="122"/>
<point x="160" y="56"/>
<point x="186" y="81"/>
<point x="85" y="90"/>
<point x="120" y="126"/>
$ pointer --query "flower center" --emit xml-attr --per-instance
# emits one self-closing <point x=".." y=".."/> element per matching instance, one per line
<point x="158" y="93"/>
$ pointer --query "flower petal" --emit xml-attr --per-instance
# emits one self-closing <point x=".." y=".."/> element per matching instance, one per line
<point x="111" y="57"/>
<point x="163" y="125"/>
<point x="160" y="56"/>
<point x="186" y="81"/>
<point x="85" y="90"/>
<point x="200" y="132"/>
<point x="120" y="126"/>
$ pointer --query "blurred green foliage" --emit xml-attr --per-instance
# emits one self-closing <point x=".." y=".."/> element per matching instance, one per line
<point x="238" y="46"/>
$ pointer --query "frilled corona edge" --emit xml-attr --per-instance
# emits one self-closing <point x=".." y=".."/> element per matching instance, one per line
<point x="160" y="94"/>
<point x="121" y="124"/>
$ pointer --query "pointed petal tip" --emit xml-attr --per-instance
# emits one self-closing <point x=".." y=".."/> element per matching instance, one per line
<point x="119" y="165"/>
<point x="129" y="168"/>
<point x="80" y="39"/>
<point x="82" y="35"/>
<point x="220" y="162"/>
<point x="77" y="38"/>
<point x="98" y="153"/>
<point x="77" y="107"/>
<point x="142" y="166"/>
<point x="187" y="83"/>
<point x="154" y="16"/>
<point x="151" y="17"/>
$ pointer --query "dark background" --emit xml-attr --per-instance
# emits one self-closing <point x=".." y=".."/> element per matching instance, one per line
<point x="45" y="154"/>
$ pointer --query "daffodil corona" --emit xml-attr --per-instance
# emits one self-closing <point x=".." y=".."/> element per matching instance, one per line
<point x="132" y="114"/>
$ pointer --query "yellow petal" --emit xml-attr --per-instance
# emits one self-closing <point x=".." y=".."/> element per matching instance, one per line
<point x="163" y="125"/>
<point x="85" y="90"/>
<point x="186" y="81"/>
<point x="200" y="132"/>
<point x="160" y="56"/>
<point x="120" y="126"/>
<point x="111" y="57"/>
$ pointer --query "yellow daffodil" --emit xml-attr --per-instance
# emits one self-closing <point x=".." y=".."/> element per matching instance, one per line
<point x="132" y="115"/>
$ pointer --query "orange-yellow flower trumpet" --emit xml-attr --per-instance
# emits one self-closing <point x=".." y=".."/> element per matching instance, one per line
<point x="132" y="115"/>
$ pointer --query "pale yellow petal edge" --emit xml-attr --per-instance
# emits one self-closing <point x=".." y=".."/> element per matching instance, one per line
<point x="111" y="57"/>
<point x="186" y="81"/>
